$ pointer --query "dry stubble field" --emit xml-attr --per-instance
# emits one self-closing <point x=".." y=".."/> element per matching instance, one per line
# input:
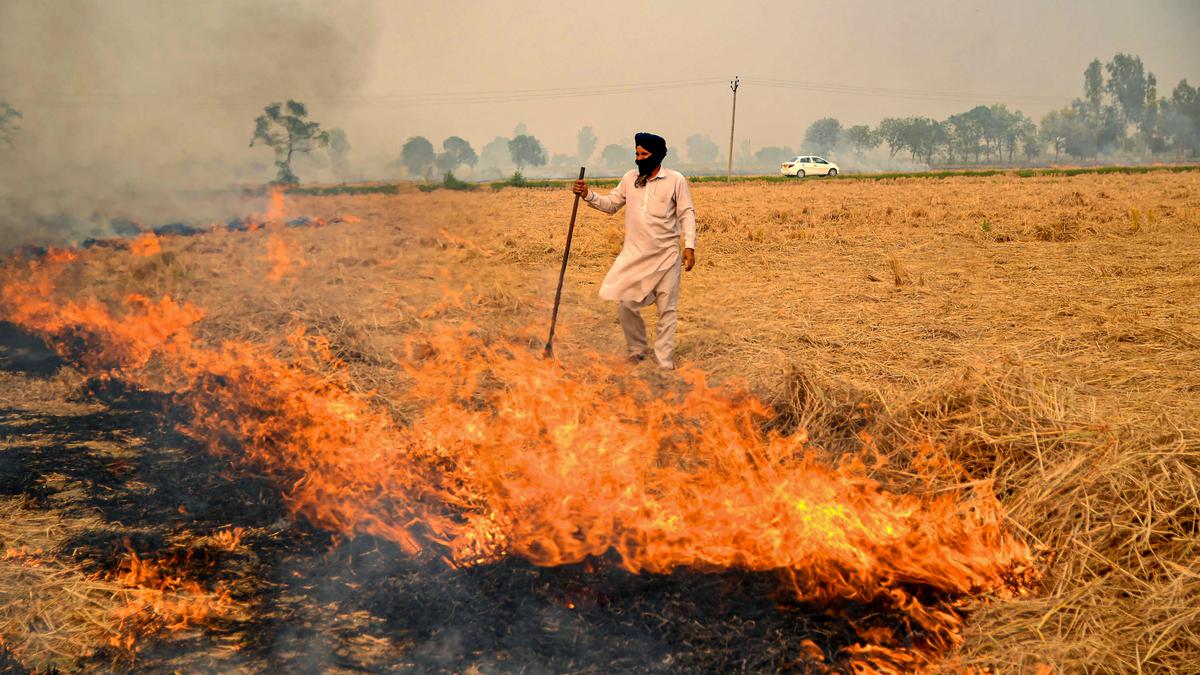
<point x="1045" y="331"/>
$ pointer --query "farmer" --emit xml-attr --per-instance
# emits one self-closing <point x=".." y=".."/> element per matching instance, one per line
<point x="647" y="271"/>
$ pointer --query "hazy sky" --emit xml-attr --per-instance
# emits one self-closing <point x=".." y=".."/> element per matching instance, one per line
<point x="114" y="87"/>
<point x="1025" y="50"/>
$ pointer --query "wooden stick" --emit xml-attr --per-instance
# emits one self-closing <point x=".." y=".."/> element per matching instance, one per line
<point x="549" y="352"/>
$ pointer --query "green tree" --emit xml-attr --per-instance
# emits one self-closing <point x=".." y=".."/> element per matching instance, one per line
<point x="891" y="130"/>
<point x="701" y="149"/>
<point x="823" y="135"/>
<point x="1031" y="144"/>
<point x="526" y="151"/>
<point x="921" y="136"/>
<point x="1079" y="139"/>
<point x="1181" y="119"/>
<point x="286" y="131"/>
<point x="1015" y="127"/>
<point x="773" y="154"/>
<point x="1093" y="86"/>
<point x="861" y="138"/>
<point x="616" y="156"/>
<point x="585" y="145"/>
<point x="8" y="122"/>
<point x="991" y="128"/>
<point x="456" y="151"/>
<point x="966" y="133"/>
<point x="494" y="156"/>
<point x="417" y="156"/>
<point x="339" y="148"/>
<point x="1053" y="130"/>
<point x="1149" y="124"/>
<point x="1127" y="84"/>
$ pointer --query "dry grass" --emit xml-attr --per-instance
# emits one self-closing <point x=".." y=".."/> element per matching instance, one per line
<point x="1042" y="332"/>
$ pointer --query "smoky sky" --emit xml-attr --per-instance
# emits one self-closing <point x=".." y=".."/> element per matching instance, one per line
<point x="124" y="98"/>
<point x="1002" y="50"/>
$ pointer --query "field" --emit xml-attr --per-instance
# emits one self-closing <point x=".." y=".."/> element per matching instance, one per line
<point x="1037" y="337"/>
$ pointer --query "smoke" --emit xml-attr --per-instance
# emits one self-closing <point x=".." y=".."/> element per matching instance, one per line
<point x="144" y="110"/>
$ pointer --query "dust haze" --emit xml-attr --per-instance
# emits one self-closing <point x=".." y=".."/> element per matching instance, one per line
<point x="144" y="110"/>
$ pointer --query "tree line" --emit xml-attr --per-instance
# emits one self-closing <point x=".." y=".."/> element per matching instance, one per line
<point x="1120" y="113"/>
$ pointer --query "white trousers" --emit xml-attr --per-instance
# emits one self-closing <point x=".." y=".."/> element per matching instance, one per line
<point x="665" y="297"/>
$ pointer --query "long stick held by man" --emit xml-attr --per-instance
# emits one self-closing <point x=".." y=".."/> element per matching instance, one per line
<point x="648" y="270"/>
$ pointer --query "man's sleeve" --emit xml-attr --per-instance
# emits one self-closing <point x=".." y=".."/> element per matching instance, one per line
<point x="608" y="203"/>
<point x="686" y="213"/>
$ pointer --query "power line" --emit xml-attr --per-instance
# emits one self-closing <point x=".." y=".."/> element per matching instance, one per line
<point x="894" y="92"/>
<point x="389" y="101"/>
<point x="497" y="96"/>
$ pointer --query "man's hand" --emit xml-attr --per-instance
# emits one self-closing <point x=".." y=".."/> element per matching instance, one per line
<point x="580" y="189"/>
<point x="689" y="259"/>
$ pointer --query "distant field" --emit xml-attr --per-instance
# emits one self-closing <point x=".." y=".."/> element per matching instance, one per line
<point x="1022" y="173"/>
<point x="1041" y="328"/>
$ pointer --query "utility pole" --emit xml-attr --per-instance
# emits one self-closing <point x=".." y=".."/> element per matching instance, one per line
<point x="732" y="118"/>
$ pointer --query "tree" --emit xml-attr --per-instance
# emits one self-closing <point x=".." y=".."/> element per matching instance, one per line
<point x="494" y="156"/>
<point x="1024" y="131"/>
<point x="861" y="138"/>
<point x="991" y="128"/>
<point x="1127" y="84"/>
<point x="921" y="136"/>
<point x="615" y="156"/>
<point x="417" y="156"/>
<point x="891" y="131"/>
<point x="585" y="144"/>
<point x="339" y="147"/>
<point x="823" y="135"/>
<point x="1093" y="86"/>
<point x="526" y="151"/>
<point x="701" y="149"/>
<point x="1181" y="120"/>
<point x="966" y="132"/>
<point x="456" y="151"/>
<point x="771" y="155"/>
<point x="1031" y="144"/>
<point x="286" y="131"/>
<point x="8" y="122"/>
<point x="1149" y="124"/>
<point x="1079" y="138"/>
<point x="1054" y="130"/>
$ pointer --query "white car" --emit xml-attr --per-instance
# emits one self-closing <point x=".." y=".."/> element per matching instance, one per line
<point x="808" y="165"/>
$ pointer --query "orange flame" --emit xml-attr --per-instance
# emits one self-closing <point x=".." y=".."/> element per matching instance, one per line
<point x="145" y="244"/>
<point x="276" y="212"/>
<point x="160" y="597"/>
<point x="511" y="455"/>
<point x="280" y="257"/>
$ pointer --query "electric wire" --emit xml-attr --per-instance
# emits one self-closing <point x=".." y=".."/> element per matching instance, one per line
<point x="499" y="96"/>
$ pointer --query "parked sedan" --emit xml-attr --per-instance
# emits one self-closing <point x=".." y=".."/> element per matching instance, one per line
<point x="808" y="166"/>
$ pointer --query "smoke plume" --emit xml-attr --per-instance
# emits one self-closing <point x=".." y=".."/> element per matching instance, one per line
<point x="143" y="111"/>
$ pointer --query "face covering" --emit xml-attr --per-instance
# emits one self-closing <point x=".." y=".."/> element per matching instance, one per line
<point x="657" y="147"/>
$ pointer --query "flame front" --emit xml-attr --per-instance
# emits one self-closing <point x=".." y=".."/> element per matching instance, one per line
<point x="510" y="454"/>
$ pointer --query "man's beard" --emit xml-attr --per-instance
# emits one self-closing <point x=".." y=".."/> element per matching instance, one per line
<point x="645" y="168"/>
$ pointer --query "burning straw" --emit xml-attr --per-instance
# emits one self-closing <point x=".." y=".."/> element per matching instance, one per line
<point x="511" y="455"/>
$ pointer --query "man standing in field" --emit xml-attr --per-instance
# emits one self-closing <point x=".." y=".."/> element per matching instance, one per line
<point x="647" y="271"/>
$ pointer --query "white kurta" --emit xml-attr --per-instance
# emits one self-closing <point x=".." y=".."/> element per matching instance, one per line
<point x="655" y="217"/>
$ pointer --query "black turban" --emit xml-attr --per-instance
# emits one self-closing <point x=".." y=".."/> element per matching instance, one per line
<point x="654" y="144"/>
<point x="657" y="147"/>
